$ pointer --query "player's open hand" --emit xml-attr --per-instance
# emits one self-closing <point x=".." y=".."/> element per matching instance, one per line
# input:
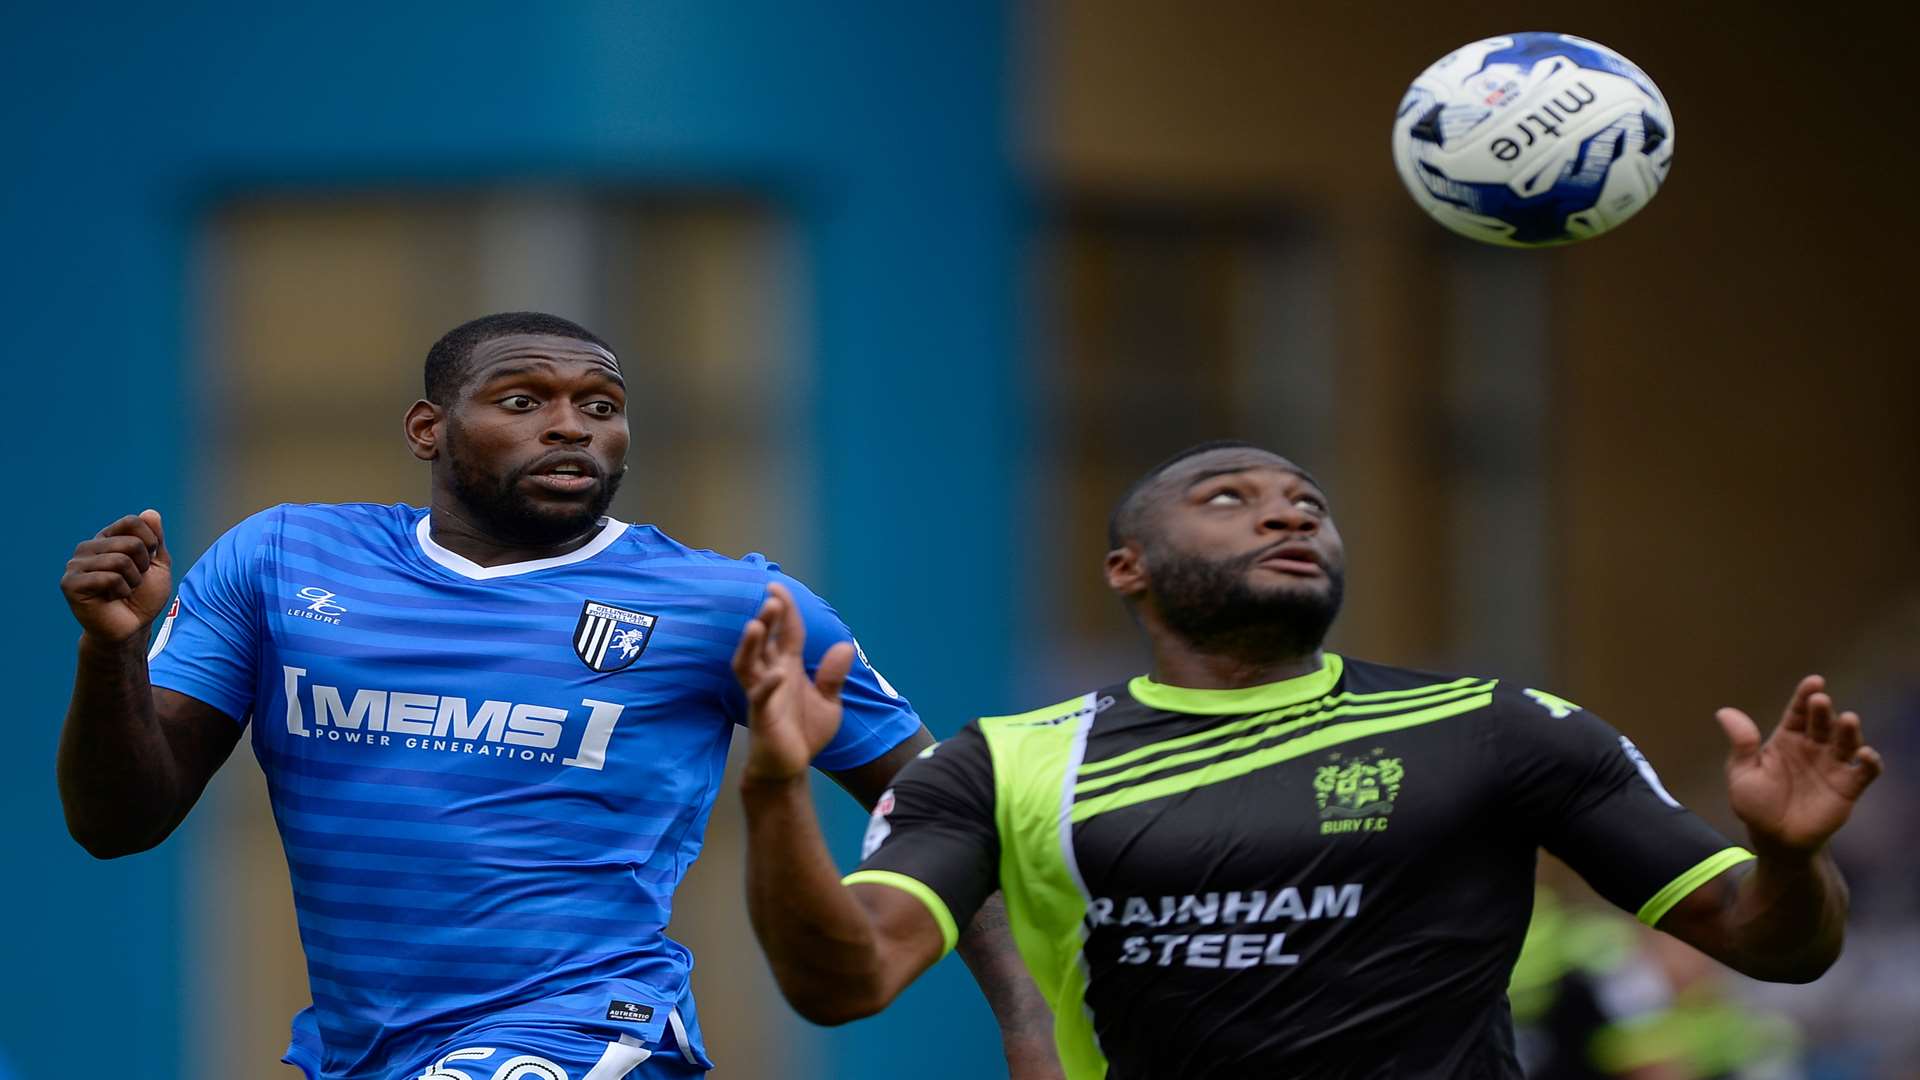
<point x="1798" y="787"/>
<point x="118" y="582"/>
<point x="791" y="717"/>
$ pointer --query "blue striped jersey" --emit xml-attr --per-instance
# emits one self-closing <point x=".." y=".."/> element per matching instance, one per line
<point x="488" y="780"/>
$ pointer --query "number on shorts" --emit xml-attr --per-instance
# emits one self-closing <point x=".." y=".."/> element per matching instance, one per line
<point x="524" y="1067"/>
<point x="528" y="1067"/>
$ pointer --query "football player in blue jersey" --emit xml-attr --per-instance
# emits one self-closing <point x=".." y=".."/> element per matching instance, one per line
<point x="492" y="730"/>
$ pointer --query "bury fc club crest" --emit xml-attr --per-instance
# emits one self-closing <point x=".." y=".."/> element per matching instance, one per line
<point x="1355" y="793"/>
<point x="608" y="638"/>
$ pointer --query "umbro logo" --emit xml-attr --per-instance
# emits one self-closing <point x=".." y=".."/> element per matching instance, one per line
<point x="1098" y="707"/>
<point x="317" y="604"/>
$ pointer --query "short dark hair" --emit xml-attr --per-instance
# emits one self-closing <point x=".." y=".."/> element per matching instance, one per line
<point x="447" y="360"/>
<point x="1124" y="523"/>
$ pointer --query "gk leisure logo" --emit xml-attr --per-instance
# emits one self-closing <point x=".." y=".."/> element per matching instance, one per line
<point x="317" y="604"/>
<point x="1356" y="794"/>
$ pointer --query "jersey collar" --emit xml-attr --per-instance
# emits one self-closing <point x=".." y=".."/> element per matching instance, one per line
<point x="610" y="530"/>
<point x="1246" y="699"/>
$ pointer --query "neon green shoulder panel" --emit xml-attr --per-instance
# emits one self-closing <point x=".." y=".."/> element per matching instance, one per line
<point x="1034" y="756"/>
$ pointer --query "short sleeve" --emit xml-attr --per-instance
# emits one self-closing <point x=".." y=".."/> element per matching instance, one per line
<point x="208" y="645"/>
<point x="1592" y="798"/>
<point x="933" y="835"/>
<point x="874" y="717"/>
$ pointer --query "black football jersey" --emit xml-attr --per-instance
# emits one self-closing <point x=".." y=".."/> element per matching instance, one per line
<point x="1325" y="877"/>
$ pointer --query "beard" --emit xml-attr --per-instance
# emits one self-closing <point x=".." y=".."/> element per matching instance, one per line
<point x="506" y="515"/>
<point x="1210" y="604"/>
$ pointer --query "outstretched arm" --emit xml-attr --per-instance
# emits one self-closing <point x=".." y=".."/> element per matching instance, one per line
<point x="839" y="953"/>
<point x="986" y="943"/>
<point x="1784" y="918"/>
<point x="133" y="760"/>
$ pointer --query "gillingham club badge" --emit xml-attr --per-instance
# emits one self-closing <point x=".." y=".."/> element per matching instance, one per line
<point x="608" y="638"/>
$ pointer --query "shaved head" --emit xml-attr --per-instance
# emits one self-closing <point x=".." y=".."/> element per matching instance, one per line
<point x="1132" y="517"/>
<point x="451" y="358"/>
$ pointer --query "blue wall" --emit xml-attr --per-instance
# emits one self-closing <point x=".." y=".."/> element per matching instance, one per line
<point x="881" y="127"/>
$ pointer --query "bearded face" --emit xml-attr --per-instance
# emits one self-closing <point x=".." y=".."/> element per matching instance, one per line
<point x="499" y="502"/>
<point x="1220" y="604"/>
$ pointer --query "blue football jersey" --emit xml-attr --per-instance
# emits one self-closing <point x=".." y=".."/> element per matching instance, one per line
<point x="488" y="780"/>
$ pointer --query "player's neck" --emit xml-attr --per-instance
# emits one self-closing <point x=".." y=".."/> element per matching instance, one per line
<point x="454" y="529"/>
<point x="1179" y="663"/>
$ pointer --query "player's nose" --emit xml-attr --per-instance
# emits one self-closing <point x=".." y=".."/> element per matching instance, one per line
<point x="1286" y="515"/>
<point x="567" y="426"/>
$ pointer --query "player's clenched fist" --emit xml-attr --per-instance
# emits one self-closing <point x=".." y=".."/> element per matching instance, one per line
<point x="118" y="582"/>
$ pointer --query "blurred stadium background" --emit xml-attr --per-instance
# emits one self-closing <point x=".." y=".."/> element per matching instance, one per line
<point x="908" y="292"/>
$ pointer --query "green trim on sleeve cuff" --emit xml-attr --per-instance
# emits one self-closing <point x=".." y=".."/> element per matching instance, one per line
<point x="949" y="932"/>
<point x="1677" y="890"/>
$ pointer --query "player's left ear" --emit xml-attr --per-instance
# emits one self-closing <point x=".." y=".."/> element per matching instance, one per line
<point x="422" y="427"/>
<point x="1126" y="571"/>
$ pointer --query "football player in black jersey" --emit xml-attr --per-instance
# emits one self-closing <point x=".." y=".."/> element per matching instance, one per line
<point x="1265" y="859"/>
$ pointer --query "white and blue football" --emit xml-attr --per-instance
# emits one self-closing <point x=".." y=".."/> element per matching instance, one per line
<point x="1532" y="140"/>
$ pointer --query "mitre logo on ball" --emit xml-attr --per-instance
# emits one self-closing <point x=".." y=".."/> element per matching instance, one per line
<point x="1533" y="140"/>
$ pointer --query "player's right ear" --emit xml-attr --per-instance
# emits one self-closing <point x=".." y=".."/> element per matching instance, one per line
<point x="423" y="429"/>
<point x="1126" y="571"/>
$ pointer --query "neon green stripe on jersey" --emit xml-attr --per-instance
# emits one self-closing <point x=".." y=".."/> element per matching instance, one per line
<point x="1247" y="699"/>
<point x="1033" y="759"/>
<point x="949" y="931"/>
<point x="1679" y="888"/>
<point x="1219" y="771"/>
<point x="1445" y="693"/>
<point x="1251" y="722"/>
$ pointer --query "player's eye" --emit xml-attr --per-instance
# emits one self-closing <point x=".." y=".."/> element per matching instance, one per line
<point x="518" y="402"/>
<point x="1228" y="497"/>
<point x="602" y="409"/>
<point x="1312" y="502"/>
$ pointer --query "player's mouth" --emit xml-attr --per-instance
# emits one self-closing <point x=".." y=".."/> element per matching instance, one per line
<point x="1292" y="558"/>
<point x="565" y="473"/>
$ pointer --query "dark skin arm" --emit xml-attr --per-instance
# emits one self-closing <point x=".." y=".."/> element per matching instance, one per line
<point x="986" y="943"/>
<point x="133" y="760"/>
<point x="841" y="953"/>
<point x="1783" y="917"/>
